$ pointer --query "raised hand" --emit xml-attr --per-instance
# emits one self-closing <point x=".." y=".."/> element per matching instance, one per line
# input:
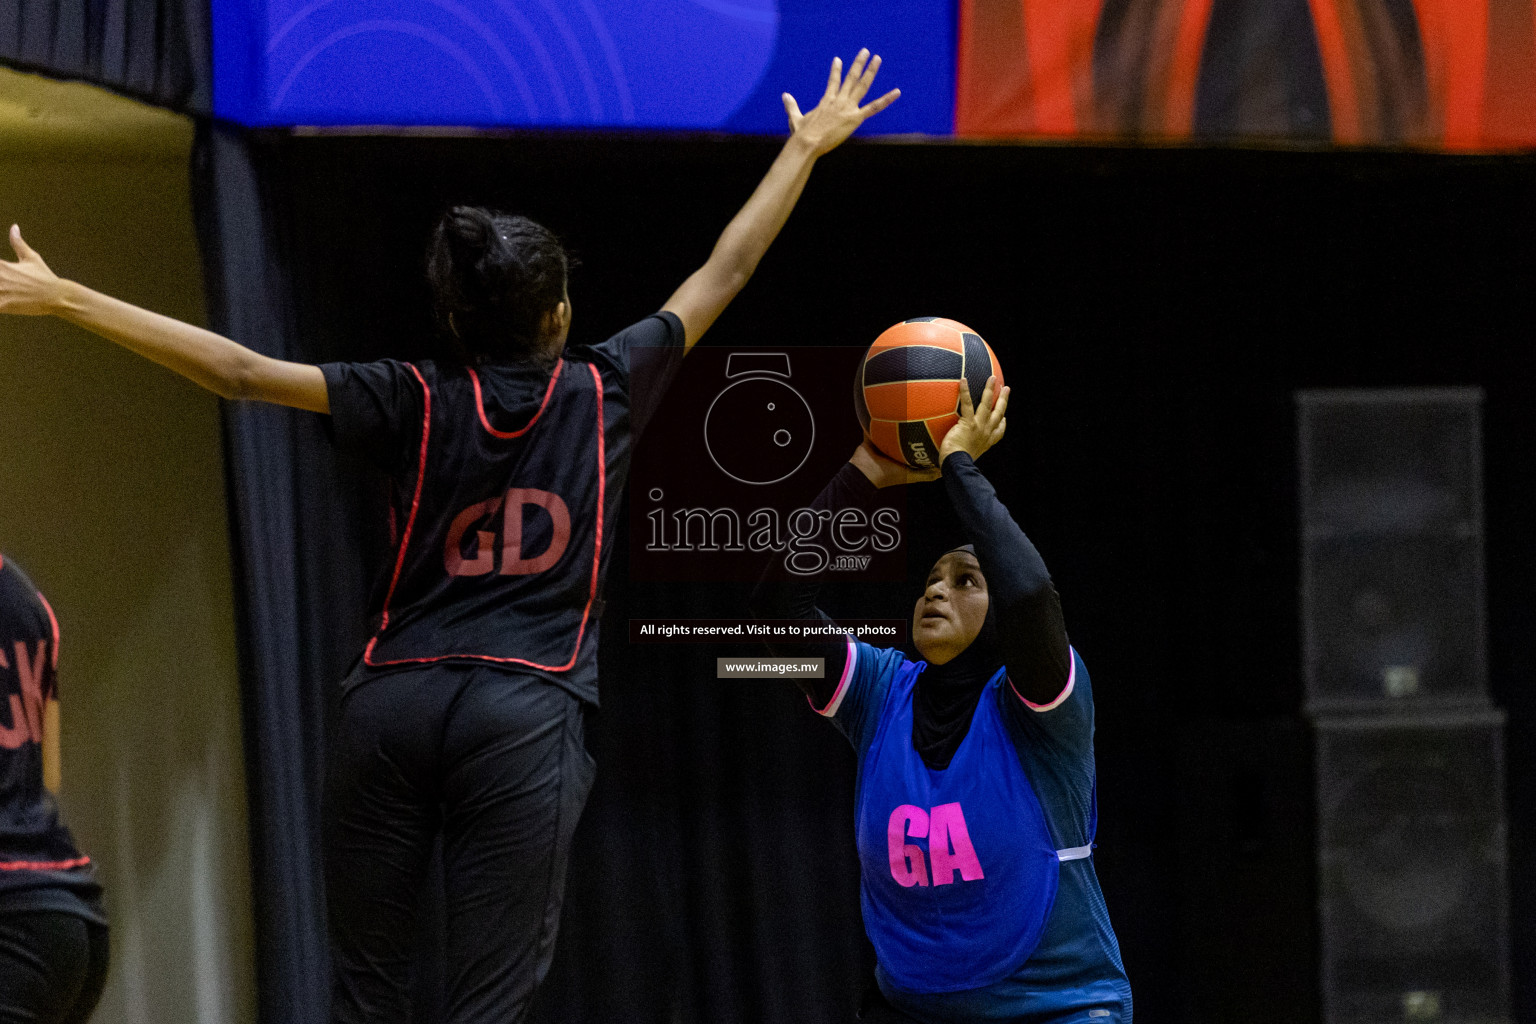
<point x="839" y="113"/>
<point x="27" y="287"/>
<point x="229" y="370"/>
<point x="980" y="427"/>
<point x="883" y="471"/>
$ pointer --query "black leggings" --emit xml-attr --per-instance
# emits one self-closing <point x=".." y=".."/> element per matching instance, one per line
<point x="875" y="1009"/>
<point x="53" y="967"/>
<point x="493" y="763"/>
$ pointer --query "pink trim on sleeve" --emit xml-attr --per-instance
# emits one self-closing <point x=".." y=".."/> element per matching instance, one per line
<point x="842" y="684"/>
<point x="1066" y="691"/>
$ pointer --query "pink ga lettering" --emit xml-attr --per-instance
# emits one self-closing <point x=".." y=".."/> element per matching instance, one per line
<point x="949" y="845"/>
<point x="907" y="864"/>
<point x="513" y="562"/>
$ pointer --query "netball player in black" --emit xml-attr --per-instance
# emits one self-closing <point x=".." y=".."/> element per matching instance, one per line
<point x="464" y="714"/>
<point x="53" y="931"/>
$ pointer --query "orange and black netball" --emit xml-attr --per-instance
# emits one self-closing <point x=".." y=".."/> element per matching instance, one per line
<point x="907" y="390"/>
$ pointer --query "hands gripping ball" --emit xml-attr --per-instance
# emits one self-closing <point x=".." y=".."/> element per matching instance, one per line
<point x="907" y="391"/>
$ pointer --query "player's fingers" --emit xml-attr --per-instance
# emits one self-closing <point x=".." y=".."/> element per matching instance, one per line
<point x="875" y="453"/>
<point x="23" y="250"/>
<point x="793" y="110"/>
<point x="1000" y="407"/>
<point x="988" y="396"/>
<point x="834" y="78"/>
<point x="874" y="107"/>
<point x="1002" y="428"/>
<point x="867" y="79"/>
<point x="854" y="71"/>
<point x="967" y="409"/>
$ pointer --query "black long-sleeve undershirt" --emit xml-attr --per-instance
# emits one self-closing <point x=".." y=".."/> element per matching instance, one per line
<point x="1027" y="608"/>
<point x="1030" y="627"/>
<point x="780" y="596"/>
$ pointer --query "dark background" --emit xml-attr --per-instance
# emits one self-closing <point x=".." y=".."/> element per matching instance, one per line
<point x="1154" y="311"/>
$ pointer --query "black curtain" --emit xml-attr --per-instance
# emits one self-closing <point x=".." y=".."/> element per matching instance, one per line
<point x="159" y="51"/>
<point x="301" y="614"/>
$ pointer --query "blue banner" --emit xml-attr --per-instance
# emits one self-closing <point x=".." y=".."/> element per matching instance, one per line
<point x="643" y="64"/>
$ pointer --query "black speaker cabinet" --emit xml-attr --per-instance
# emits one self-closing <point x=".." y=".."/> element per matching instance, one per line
<point x="1411" y="868"/>
<point x="1408" y="755"/>
<point x="1392" y="549"/>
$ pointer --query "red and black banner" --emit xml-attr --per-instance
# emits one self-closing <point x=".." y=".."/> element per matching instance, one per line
<point x="1451" y="74"/>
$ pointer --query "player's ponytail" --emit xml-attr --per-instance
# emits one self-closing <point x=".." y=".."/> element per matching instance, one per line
<point x="494" y="277"/>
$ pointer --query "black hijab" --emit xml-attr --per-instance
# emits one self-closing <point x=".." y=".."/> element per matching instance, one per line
<point x="946" y="695"/>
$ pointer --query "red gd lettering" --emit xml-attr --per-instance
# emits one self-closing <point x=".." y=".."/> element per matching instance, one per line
<point x="949" y="844"/>
<point x="26" y="710"/>
<point x="513" y="562"/>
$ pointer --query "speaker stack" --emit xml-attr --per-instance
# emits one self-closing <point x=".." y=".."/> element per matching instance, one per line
<point x="1408" y="748"/>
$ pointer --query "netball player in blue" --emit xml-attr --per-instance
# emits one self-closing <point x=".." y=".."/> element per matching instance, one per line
<point x="463" y="717"/>
<point x="975" y="803"/>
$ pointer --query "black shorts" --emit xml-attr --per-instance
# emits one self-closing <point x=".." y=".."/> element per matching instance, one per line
<point x="53" y="967"/>
<point x="494" y="763"/>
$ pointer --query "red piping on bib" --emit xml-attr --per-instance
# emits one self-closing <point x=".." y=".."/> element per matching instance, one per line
<point x="44" y="865"/>
<point x="505" y="435"/>
<point x="55" y="621"/>
<point x="410" y="522"/>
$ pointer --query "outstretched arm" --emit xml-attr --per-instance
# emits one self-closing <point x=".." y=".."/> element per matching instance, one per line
<point x="708" y="290"/>
<point x="1027" y="608"/>
<point x="228" y="369"/>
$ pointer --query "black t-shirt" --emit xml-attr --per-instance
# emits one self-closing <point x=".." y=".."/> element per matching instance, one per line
<point x="40" y="866"/>
<point x="507" y="480"/>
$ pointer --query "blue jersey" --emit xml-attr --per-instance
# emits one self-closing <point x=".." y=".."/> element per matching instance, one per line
<point x="957" y="870"/>
<point x="1072" y="971"/>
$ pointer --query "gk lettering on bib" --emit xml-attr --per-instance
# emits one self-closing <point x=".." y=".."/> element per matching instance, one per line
<point x="26" y="707"/>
